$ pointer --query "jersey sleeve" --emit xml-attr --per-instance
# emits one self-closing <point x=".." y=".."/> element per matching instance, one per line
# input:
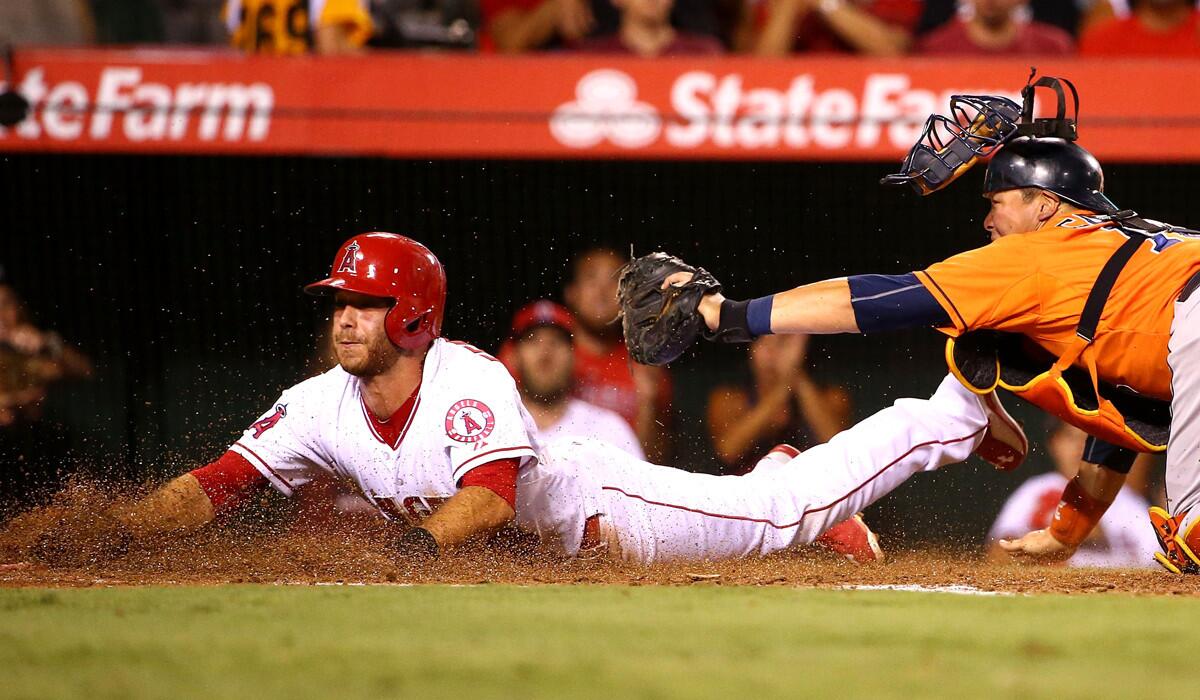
<point x="993" y="287"/>
<point x="281" y="445"/>
<point x="487" y="423"/>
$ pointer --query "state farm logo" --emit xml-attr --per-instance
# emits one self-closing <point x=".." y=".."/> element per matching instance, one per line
<point x="606" y="108"/>
<point x="708" y="110"/>
<point x="144" y="110"/>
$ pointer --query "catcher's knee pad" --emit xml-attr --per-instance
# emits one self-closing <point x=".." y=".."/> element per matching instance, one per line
<point x="1179" y="548"/>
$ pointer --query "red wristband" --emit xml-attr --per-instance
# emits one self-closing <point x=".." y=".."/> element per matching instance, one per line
<point x="1076" y="515"/>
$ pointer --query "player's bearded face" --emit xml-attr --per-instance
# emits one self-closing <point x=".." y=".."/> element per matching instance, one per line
<point x="359" y="337"/>
<point x="545" y="362"/>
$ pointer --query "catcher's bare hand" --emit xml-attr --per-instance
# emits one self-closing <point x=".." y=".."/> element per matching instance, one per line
<point x="710" y="304"/>
<point x="1037" y="547"/>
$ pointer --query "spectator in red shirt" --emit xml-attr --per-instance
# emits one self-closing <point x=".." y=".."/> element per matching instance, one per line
<point x="646" y="30"/>
<point x="867" y="27"/>
<point x="514" y="26"/>
<point x="604" y="374"/>
<point x="1159" y="28"/>
<point x="995" y="27"/>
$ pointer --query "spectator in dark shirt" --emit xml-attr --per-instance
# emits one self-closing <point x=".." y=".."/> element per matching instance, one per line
<point x="995" y="27"/>
<point x="646" y="30"/>
<point x="867" y="27"/>
<point x="1156" y="28"/>
<point x="781" y="404"/>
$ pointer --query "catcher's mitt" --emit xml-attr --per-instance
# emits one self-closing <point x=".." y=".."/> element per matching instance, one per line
<point x="661" y="323"/>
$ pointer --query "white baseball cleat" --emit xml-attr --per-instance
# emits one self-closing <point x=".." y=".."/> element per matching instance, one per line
<point x="1004" y="444"/>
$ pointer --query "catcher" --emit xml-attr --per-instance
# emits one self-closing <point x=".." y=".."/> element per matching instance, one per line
<point x="1075" y="305"/>
<point x="433" y="434"/>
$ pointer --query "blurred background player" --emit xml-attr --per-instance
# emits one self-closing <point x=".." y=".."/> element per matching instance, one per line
<point x="32" y="452"/>
<point x="646" y="30"/>
<point x="1120" y="540"/>
<point x="604" y="374"/>
<point x="541" y="358"/>
<point x="780" y="404"/>
<point x="995" y="27"/>
<point x="286" y="27"/>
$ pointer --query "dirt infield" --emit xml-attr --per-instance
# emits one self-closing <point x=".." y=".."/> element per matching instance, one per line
<point x="356" y="551"/>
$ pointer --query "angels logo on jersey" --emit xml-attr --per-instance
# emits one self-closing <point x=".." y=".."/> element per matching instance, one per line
<point x="264" y="424"/>
<point x="469" y="421"/>
<point x="350" y="259"/>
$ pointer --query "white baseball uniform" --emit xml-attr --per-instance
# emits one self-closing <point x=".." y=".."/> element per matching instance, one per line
<point x="468" y="413"/>
<point x="586" y="420"/>
<point x="1120" y="540"/>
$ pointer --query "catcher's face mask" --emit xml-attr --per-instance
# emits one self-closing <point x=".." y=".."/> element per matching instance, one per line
<point x="949" y="146"/>
<point x="976" y="126"/>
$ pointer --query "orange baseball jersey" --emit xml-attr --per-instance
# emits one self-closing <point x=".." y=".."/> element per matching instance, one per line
<point x="285" y="27"/>
<point x="1036" y="284"/>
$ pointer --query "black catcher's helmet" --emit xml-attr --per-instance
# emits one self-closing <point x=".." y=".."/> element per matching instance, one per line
<point x="1053" y="164"/>
<point x="1026" y="151"/>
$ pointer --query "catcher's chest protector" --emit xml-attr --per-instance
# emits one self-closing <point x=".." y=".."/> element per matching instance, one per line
<point x="984" y="360"/>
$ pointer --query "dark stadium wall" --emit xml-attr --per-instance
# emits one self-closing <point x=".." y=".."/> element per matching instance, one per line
<point x="181" y="277"/>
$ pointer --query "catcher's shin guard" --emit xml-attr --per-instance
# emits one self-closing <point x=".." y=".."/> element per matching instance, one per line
<point x="1179" y="549"/>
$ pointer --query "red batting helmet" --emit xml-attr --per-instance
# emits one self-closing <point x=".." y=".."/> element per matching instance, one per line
<point x="394" y="267"/>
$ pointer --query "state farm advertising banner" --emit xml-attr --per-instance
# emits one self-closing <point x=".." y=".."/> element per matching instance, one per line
<point x="415" y="105"/>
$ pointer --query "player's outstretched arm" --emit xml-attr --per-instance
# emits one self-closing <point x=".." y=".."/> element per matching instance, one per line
<point x="180" y="505"/>
<point x="821" y="307"/>
<point x="474" y="510"/>
<point x="1084" y="501"/>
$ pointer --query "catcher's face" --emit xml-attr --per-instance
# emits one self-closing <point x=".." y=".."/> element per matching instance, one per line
<point x="545" y="362"/>
<point x="1018" y="211"/>
<point x="359" y="337"/>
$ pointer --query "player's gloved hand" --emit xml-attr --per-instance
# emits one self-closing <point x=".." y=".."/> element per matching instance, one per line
<point x="1037" y="547"/>
<point x="418" y="544"/>
<point x="660" y="319"/>
<point x="82" y="540"/>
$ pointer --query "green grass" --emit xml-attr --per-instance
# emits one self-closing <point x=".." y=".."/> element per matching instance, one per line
<point x="588" y="642"/>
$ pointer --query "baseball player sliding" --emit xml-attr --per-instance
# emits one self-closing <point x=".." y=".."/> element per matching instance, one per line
<point x="1075" y="305"/>
<point x="433" y="433"/>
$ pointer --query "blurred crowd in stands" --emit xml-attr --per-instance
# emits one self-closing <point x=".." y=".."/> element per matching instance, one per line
<point x="883" y="28"/>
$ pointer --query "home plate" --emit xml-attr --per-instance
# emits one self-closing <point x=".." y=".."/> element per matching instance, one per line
<point x="956" y="589"/>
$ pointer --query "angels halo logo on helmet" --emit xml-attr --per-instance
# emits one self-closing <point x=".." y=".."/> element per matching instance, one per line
<point x="395" y="267"/>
